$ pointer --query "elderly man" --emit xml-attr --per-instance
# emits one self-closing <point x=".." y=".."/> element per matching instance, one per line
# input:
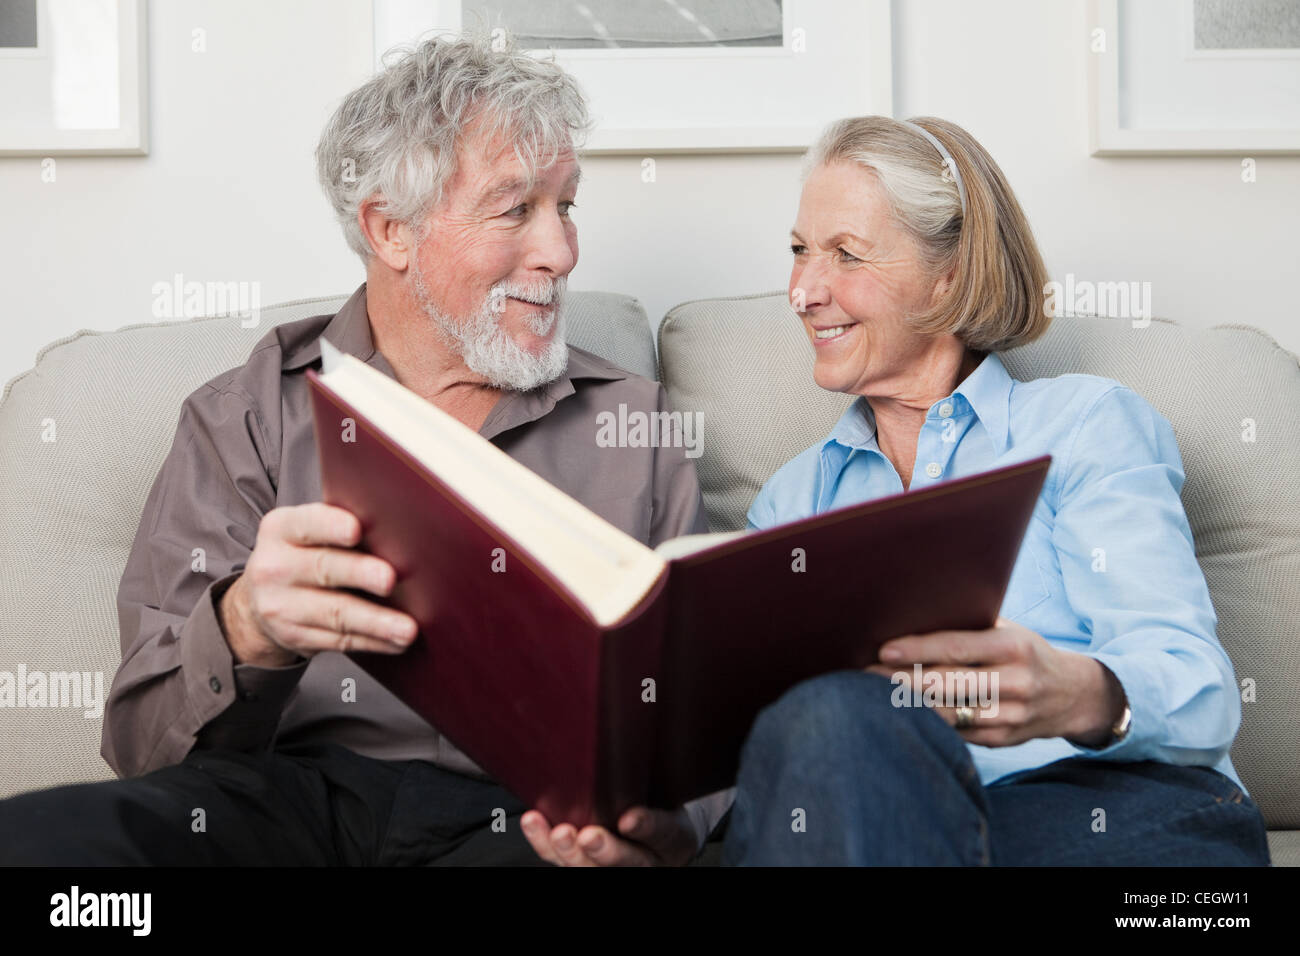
<point x="453" y="175"/>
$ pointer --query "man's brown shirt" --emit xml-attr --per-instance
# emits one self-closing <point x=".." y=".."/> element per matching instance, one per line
<point x="244" y="445"/>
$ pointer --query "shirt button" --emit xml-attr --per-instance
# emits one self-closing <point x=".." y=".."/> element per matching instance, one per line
<point x="934" y="470"/>
<point x="215" y="685"/>
<point x="945" y="410"/>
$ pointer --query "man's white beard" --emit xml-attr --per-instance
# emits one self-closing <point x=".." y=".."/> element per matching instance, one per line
<point x="489" y="350"/>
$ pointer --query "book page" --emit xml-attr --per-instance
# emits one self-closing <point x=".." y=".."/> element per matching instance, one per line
<point x="686" y="544"/>
<point x="604" y="568"/>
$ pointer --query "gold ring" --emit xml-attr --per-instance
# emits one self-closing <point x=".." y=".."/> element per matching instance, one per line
<point x="965" y="717"/>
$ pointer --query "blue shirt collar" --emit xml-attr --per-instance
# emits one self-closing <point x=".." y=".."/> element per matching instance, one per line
<point x="987" y="391"/>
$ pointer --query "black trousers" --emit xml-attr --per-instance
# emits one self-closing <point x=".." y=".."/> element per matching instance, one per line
<point x="317" y="805"/>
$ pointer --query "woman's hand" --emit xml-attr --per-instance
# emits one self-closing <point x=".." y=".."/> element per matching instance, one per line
<point x="1039" y="690"/>
<point x="653" y="838"/>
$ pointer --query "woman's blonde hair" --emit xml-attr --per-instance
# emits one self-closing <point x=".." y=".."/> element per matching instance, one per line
<point x="995" y="301"/>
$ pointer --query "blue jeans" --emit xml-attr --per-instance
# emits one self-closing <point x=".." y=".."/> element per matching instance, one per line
<point x="834" y="774"/>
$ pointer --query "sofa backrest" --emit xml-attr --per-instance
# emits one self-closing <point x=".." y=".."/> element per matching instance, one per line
<point x="82" y="436"/>
<point x="1231" y="393"/>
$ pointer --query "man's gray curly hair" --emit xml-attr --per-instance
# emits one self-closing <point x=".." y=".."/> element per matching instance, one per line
<point x="396" y="136"/>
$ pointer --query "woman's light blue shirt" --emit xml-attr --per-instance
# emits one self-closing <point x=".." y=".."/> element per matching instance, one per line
<point x="1107" y="567"/>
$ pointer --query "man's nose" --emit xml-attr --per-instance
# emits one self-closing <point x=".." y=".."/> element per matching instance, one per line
<point x="552" y="246"/>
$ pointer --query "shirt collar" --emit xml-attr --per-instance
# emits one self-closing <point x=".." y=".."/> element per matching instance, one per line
<point x="349" y="331"/>
<point x="987" y="390"/>
<point x="856" y="428"/>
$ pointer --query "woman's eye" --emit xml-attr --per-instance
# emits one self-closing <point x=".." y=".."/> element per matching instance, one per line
<point x="798" y="250"/>
<point x="567" y="206"/>
<point x="518" y="210"/>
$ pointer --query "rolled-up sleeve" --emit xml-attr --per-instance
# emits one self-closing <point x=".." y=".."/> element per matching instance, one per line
<point x="1129" y="565"/>
<point x="178" y="685"/>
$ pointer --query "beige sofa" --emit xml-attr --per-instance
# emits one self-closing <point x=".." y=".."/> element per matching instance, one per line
<point x="83" y="433"/>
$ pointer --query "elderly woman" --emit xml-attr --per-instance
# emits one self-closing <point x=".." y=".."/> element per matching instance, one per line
<point x="913" y="268"/>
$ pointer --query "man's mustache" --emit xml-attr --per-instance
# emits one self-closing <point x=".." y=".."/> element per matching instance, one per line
<point x="541" y="292"/>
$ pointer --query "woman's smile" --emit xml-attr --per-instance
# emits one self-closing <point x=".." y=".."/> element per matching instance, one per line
<point x="826" y="336"/>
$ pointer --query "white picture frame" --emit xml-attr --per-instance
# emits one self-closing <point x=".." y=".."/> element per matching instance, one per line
<point x="35" y="122"/>
<point x="835" y="62"/>
<point x="1213" y="78"/>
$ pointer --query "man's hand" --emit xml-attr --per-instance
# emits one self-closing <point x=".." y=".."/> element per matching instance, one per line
<point x="286" y="605"/>
<point x="652" y="838"/>
<point x="1041" y="690"/>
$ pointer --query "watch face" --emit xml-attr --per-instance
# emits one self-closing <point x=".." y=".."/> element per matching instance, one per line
<point x="1120" y="730"/>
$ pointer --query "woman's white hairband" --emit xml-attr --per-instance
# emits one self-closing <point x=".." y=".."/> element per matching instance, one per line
<point x="947" y="159"/>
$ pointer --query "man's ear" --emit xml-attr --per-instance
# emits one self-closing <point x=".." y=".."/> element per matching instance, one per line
<point x="393" y="242"/>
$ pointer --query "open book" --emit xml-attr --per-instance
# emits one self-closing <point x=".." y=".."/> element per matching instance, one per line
<point x="588" y="672"/>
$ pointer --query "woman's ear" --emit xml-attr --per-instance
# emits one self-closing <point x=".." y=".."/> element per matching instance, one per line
<point x="942" y="285"/>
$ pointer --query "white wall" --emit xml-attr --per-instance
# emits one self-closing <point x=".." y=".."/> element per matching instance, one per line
<point x="228" y="191"/>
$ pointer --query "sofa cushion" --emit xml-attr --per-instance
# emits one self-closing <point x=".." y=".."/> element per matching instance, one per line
<point x="1284" y="847"/>
<point x="69" y="506"/>
<point x="1241" y="496"/>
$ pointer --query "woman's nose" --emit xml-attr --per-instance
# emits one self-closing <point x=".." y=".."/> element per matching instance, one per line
<point x="808" y="288"/>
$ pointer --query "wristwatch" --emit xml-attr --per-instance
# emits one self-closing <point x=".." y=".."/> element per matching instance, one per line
<point x="1119" y="730"/>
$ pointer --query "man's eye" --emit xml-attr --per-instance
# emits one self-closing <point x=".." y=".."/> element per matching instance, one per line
<point x="847" y="256"/>
<point x="798" y="250"/>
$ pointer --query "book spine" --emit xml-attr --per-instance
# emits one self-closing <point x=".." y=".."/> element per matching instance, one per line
<point x="627" y="724"/>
